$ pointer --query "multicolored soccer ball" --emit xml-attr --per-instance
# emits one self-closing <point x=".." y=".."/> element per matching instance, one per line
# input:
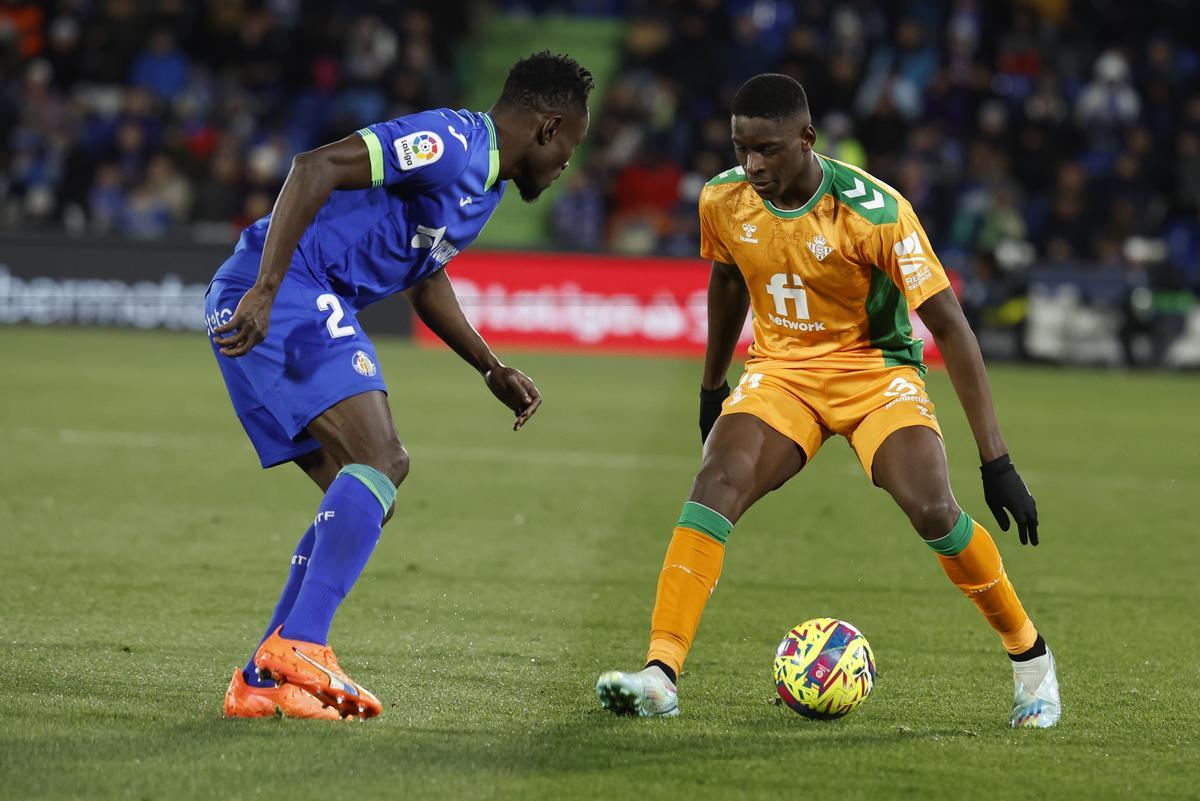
<point x="824" y="668"/>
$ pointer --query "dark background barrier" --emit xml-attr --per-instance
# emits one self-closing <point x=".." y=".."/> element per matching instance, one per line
<point x="1108" y="317"/>
<point x="126" y="283"/>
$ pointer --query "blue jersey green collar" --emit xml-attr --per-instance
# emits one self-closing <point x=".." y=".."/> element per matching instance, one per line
<point x="493" y="153"/>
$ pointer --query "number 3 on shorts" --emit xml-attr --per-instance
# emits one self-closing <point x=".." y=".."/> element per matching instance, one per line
<point x="331" y="303"/>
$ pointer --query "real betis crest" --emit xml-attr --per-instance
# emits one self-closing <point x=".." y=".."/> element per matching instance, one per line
<point x="819" y="247"/>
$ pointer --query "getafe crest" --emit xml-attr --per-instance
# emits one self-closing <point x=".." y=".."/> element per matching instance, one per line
<point x="362" y="364"/>
<point x="819" y="247"/>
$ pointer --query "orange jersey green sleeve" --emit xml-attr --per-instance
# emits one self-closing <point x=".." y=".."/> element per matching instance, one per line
<point x="831" y="283"/>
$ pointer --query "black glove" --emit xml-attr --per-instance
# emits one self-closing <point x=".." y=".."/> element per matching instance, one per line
<point x="710" y="408"/>
<point x="1004" y="489"/>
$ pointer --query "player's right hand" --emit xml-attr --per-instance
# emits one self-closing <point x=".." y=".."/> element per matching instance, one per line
<point x="516" y="391"/>
<point x="248" y="325"/>
<point x="710" y="408"/>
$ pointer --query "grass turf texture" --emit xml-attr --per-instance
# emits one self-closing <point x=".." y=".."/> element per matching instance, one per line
<point x="143" y="549"/>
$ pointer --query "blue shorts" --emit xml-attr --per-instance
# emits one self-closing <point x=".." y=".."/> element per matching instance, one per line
<point x="314" y="356"/>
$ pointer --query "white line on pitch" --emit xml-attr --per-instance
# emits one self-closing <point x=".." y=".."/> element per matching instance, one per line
<point x="73" y="437"/>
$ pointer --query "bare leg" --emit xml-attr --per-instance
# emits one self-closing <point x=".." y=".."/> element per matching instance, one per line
<point x="911" y="466"/>
<point x="744" y="459"/>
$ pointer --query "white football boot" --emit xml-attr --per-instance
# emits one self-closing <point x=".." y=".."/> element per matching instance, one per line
<point x="1036" y="704"/>
<point x="647" y="693"/>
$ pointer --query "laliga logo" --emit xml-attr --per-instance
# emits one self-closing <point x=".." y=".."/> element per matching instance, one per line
<point x="748" y="233"/>
<point x="418" y="149"/>
<point x="425" y="148"/>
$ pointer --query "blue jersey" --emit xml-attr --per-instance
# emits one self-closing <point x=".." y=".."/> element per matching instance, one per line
<point x="433" y="188"/>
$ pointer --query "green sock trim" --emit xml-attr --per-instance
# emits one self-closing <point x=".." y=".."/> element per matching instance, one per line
<point x="380" y="485"/>
<point x="699" y="517"/>
<point x="959" y="537"/>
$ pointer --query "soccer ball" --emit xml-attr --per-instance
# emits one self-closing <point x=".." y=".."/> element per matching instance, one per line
<point x="824" y="668"/>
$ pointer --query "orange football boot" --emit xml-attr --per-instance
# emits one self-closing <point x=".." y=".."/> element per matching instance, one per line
<point x="315" y="669"/>
<point x="244" y="700"/>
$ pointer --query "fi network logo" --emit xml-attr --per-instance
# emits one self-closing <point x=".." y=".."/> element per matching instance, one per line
<point x="781" y="293"/>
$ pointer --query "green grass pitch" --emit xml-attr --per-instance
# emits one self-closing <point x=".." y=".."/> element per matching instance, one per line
<point x="143" y="550"/>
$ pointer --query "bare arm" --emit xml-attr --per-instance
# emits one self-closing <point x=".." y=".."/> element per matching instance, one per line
<point x="436" y="304"/>
<point x="728" y="302"/>
<point x="313" y="177"/>
<point x="960" y="350"/>
<point x="1003" y="489"/>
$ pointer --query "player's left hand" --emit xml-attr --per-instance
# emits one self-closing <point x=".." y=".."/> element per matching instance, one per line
<point x="1003" y="489"/>
<point x="516" y="391"/>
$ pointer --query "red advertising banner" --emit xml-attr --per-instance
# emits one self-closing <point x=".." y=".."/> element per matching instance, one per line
<point x="583" y="302"/>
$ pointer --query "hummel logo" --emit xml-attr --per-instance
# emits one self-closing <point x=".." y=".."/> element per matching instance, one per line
<point x="748" y="233"/>
<point x="859" y="190"/>
<point x="334" y="682"/>
<point x="464" y="201"/>
<point x="819" y="247"/>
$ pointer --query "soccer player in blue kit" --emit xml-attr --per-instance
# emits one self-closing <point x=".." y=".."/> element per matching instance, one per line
<point x="379" y="212"/>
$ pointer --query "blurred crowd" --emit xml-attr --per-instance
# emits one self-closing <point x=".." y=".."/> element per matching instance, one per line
<point x="1049" y="132"/>
<point x="145" y="118"/>
<point x="1024" y="132"/>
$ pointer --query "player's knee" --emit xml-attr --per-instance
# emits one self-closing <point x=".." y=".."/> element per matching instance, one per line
<point x="934" y="519"/>
<point x="724" y="474"/>
<point x="392" y="461"/>
<point x="726" y="483"/>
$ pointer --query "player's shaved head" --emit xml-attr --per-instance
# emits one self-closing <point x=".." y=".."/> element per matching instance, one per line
<point x="770" y="96"/>
<point x="773" y="138"/>
<point x="541" y="116"/>
<point x="548" y="82"/>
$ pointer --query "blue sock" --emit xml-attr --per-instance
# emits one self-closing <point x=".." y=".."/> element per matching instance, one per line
<point x="286" y="598"/>
<point x="348" y="525"/>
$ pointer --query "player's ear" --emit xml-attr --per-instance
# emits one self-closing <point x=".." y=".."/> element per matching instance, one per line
<point x="808" y="136"/>
<point x="548" y="129"/>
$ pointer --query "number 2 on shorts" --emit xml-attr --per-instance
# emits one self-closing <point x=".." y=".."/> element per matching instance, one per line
<point x="331" y="302"/>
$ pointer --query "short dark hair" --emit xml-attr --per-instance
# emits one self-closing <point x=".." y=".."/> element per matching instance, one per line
<point x="772" y="96"/>
<point x="548" y="82"/>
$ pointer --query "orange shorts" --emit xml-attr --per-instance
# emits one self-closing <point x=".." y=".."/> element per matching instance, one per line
<point x="809" y="405"/>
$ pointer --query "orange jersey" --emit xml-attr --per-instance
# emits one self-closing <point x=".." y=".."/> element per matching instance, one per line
<point x="831" y="283"/>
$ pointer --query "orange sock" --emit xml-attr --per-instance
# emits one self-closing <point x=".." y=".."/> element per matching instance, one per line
<point x="969" y="556"/>
<point x="689" y="576"/>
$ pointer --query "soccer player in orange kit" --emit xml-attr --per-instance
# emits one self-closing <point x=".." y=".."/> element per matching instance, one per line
<point x="831" y="260"/>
